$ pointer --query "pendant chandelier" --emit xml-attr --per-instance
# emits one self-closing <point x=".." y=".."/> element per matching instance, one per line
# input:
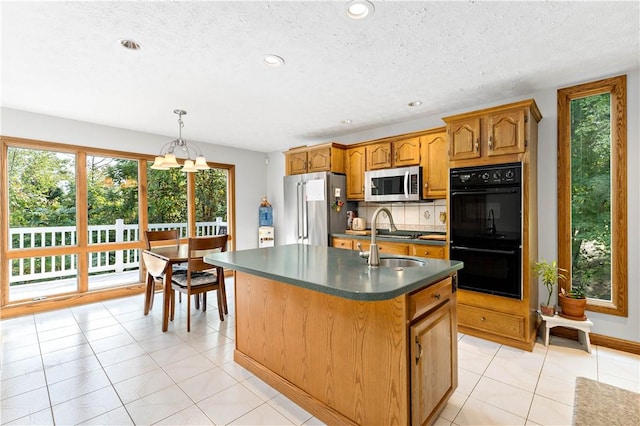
<point x="167" y="158"/>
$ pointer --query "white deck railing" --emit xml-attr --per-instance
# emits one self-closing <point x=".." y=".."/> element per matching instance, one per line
<point x="64" y="265"/>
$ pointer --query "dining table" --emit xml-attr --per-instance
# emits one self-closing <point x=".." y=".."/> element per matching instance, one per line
<point x="161" y="259"/>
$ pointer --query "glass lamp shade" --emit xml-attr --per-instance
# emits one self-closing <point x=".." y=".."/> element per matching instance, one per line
<point x="201" y="164"/>
<point x="188" y="166"/>
<point x="170" y="161"/>
<point x="158" y="164"/>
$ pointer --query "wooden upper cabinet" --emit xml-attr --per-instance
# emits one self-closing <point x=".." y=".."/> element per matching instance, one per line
<point x="327" y="157"/>
<point x="406" y="152"/>
<point x="464" y="139"/>
<point x="435" y="167"/>
<point x="355" y="166"/>
<point x="378" y="156"/>
<point x="506" y="132"/>
<point x="399" y="153"/>
<point x="297" y="163"/>
<point x="319" y="160"/>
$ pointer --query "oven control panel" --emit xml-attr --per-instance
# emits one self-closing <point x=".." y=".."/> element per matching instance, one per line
<point x="491" y="175"/>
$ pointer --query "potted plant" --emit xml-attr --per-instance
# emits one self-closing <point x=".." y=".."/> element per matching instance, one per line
<point x="550" y="273"/>
<point x="574" y="301"/>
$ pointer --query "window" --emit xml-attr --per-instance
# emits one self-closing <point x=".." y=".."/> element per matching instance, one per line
<point x="592" y="191"/>
<point x="211" y="202"/>
<point x="42" y="217"/>
<point x="167" y="208"/>
<point x="112" y="210"/>
<point x="76" y="218"/>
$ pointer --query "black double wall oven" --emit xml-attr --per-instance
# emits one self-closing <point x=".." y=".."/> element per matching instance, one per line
<point x="486" y="228"/>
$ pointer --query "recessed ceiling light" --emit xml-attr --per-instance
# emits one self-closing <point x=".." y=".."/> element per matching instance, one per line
<point x="415" y="103"/>
<point x="359" y="9"/>
<point x="273" y="61"/>
<point x="127" y="43"/>
<point x="347" y="121"/>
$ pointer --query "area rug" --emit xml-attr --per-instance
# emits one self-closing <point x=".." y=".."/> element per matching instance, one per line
<point x="602" y="404"/>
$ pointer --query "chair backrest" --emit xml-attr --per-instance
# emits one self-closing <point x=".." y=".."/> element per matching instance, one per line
<point x="200" y="247"/>
<point x="162" y="238"/>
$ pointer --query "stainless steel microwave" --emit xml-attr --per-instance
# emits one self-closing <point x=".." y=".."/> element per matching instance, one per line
<point x="400" y="184"/>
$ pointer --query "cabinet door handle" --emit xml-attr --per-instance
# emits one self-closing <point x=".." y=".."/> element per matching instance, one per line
<point x="477" y="145"/>
<point x="491" y="143"/>
<point x="437" y="296"/>
<point x="426" y="184"/>
<point x="419" y="351"/>
<point x="395" y="156"/>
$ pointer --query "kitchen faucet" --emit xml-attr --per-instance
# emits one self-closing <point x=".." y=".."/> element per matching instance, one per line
<point x="373" y="254"/>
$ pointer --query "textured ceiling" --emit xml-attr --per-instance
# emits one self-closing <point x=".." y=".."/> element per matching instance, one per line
<point x="64" y="59"/>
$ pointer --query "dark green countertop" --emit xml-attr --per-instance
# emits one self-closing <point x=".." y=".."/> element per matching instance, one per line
<point x="333" y="271"/>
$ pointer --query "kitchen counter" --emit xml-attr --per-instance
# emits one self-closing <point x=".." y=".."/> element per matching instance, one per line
<point x="333" y="271"/>
<point x="349" y="344"/>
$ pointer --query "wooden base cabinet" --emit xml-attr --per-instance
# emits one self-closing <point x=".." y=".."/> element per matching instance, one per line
<point x="386" y="247"/>
<point x="434" y="356"/>
<point x="348" y="362"/>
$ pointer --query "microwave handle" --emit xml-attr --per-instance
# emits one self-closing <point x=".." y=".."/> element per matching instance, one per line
<point x="406" y="184"/>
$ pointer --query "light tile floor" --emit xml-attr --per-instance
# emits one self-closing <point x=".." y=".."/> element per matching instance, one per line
<point x="108" y="364"/>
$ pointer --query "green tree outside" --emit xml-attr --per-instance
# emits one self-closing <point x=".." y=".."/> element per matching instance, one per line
<point x="591" y="194"/>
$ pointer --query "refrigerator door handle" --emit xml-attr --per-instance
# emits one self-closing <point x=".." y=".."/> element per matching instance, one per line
<point x="305" y="213"/>
<point x="298" y="211"/>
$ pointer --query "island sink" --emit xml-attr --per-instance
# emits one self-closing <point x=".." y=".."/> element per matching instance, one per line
<point x="401" y="262"/>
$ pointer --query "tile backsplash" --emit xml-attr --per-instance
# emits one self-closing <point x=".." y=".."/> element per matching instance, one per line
<point x="427" y="216"/>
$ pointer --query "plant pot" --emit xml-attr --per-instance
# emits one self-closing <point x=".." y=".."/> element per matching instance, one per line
<point x="572" y="308"/>
<point x="548" y="311"/>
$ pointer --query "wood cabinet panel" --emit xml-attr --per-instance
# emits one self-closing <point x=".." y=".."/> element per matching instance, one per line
<point x="320" y="343"/>
<point x="319" y="160"/>
<point x="435" y="165"/>
<point x="387" y="247"/>
<point x="464" y="139"/>
<point x="433" y="363"/>
<point x="425" y="250"/>
<point x="506" y="325"/>
<point x="424" y="300"/>
<point x="506" y="132"/>
<point x="378" y="156"/>
<point x="355" y="167"/>
<point x="406" y="152"/>
<point x="343" y="243"/>
<point x="296" y="163"/>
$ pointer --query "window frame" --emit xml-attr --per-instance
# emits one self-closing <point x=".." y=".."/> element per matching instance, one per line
<point x="617" y="88"/>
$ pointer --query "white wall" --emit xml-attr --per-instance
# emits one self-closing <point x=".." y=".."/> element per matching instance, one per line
<point x="250" y="173"/>
<point x="627" y="328"/>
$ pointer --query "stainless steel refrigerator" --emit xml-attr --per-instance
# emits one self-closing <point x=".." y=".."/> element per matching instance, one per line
<point x="310" y="210"/>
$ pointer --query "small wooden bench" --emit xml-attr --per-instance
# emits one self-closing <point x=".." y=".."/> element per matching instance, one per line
<point x="583" y="327"/>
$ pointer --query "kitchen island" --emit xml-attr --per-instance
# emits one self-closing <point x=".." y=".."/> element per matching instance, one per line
<point x="351" y="345"/>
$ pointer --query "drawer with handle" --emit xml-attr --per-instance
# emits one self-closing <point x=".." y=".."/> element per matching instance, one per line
<point x="423" y="301"/>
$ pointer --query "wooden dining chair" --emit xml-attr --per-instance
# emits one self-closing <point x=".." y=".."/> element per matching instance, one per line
<point x="155" y="239"/>
<point x="201" y="277"/>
